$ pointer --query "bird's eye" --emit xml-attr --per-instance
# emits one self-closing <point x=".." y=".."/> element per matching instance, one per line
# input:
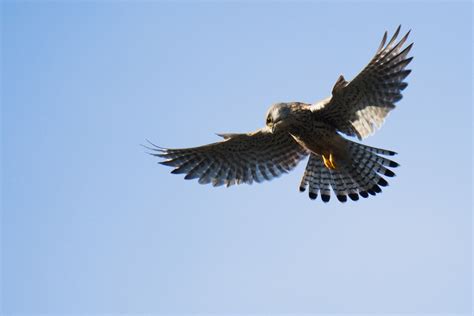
<point x="269" y="120"/>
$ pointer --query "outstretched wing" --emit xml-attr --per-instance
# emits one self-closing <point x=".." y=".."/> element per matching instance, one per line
<point x="359" y="107"/>
<point x="240" y="158"/>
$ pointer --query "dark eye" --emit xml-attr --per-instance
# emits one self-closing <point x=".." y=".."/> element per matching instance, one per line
<point x="269" y="120"/>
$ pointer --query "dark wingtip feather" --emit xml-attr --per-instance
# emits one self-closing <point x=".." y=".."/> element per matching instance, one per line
<point x="364" y="194"/>
<point x="403" y="85"/>
<point x="161" y="155"/>
<point x="154" y="145"/>
<point x="169" y="163"/>
<point x="397" y="98"/>
<point x="190" y="176"/>
<point x="157" y="150"/>
<point x="407" y="49"/>
<point x="404" y="73"/>
<point x="302" y="189"/>
<point x="408" y="33"/>
<point x="313" y="195"/>
<point x="177" y="171"/>
<point x="147" y="147"/>
<point x="382" y="43"/>
<point x="394" y="36"/>
<point x="409" y="59"/>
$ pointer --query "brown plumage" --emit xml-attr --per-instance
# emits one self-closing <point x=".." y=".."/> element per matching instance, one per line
<point x="295" y="130"/>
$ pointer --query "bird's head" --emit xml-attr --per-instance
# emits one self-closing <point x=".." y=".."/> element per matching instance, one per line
<point x="278" y="116"/>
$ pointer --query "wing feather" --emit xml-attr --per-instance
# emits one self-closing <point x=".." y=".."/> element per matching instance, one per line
<point x="359" y="107"/>
<point x="239" y="158"/>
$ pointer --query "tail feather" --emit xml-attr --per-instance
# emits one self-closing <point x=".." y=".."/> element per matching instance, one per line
<point x="339" y="186"/>
<point x="314" y="180"/>
<point x="374" y="150"/>
<point x="325" y="185"/>
<point x="369" y="179"/>
<point x="360" y="151"/>
<point x="361" y="176"/>
<point x="343" y="184"/>
<point x="351" y="184"/>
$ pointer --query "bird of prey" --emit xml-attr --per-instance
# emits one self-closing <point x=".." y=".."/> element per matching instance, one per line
<point x="295" y="130"/>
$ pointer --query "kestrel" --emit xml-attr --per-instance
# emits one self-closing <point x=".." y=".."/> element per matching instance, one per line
<point x="295" y="130"/>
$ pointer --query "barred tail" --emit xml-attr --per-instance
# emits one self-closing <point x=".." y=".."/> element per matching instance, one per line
<point x="360" y="175"/>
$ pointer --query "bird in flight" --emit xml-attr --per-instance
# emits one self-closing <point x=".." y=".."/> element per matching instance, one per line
<point x="295" y="130"/>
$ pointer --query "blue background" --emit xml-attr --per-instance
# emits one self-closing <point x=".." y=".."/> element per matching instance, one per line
<point x="90" y="223"/>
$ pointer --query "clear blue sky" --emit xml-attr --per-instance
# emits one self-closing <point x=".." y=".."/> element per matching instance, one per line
<point x="91" y="224"/>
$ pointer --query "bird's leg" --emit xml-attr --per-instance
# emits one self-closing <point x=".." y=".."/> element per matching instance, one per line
<point x="329" y="162"/>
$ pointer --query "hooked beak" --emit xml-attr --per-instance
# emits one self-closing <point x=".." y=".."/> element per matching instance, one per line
<point x="274" y="125"/>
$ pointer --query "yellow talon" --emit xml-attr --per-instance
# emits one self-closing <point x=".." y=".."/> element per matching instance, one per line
<point x="329" y="162"/>
<point x="326" y="161"/>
